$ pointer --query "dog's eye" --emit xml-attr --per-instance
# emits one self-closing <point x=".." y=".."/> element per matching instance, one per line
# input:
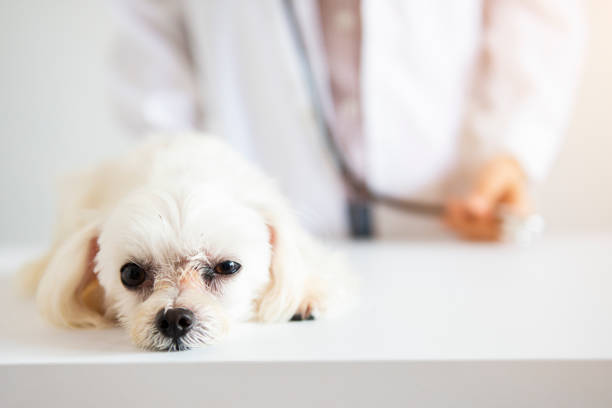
<point x="227" y="267"/>
<point x="132" y="275"/>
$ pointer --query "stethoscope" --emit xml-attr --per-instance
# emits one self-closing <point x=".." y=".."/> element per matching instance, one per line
<point x="514" y="227"/>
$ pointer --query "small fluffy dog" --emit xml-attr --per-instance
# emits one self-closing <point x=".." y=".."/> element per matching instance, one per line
<point x="175" y="241"/>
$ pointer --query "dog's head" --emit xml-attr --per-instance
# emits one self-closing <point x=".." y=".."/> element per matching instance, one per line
<point x="179" y="265"/>
<point x="175" y="266"/>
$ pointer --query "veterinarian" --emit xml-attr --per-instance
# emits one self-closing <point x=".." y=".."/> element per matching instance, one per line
<point x="460" y="103"/>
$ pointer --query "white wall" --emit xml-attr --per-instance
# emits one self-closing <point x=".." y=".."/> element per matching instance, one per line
<point x="55" y="116"/>
<point x="53" y="107"/>
<point x="578" y="194"/>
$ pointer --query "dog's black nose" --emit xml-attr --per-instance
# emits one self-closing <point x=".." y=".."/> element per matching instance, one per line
<point x="174" y="323"/>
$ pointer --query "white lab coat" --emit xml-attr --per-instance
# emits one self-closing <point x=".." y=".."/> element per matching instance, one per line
<point x="445" y="83"/>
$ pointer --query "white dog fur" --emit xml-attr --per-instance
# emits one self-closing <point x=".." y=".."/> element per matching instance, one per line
<point x="175" y="206"/>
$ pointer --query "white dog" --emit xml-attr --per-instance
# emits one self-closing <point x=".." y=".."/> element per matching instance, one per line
<point x="175" y="241"/>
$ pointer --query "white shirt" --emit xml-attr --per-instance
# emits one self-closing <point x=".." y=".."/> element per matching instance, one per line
<point x="445" y="86"/>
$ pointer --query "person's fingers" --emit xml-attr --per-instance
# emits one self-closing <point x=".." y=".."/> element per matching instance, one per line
<point x="516" y="197"/>
<point x="482" y="230"/>
<point x="468" y="225"/>
<point x="502" y="181"/>
<point x="479" y="205"/>
<point x="489" y="189"/>
<point x="454" y="214"/>
<point x="477" y="217"/>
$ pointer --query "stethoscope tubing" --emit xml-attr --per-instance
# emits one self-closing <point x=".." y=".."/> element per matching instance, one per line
<point x="357" y="186"/>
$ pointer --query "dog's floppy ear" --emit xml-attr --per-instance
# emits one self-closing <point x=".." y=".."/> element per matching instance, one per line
<point x="282" y="297"/>
<point x="69" y="293"/>
<point x="306" y="280"/>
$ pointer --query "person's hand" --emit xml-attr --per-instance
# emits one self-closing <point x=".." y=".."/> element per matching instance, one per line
<point x="499" y="182"/>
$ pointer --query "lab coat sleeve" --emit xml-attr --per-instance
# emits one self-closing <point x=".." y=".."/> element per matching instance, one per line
<point x="153" y="82"/>
<point x="529" y="70"/>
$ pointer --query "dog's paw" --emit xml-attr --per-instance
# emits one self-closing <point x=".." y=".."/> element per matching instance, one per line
<point x="310" y="309"/>
<point x="298" y="317"/>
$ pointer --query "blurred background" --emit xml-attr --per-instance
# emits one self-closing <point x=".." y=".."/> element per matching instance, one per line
<point x="56" y="116"/>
